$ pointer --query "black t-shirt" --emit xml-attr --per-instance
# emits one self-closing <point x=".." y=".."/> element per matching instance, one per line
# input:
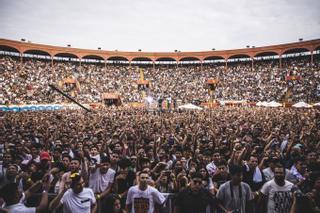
<point x="125" y="184"/>
<point x="248" y="178"/>
<point x="194" y="202"/>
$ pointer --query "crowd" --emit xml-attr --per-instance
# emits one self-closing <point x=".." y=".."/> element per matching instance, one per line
<point x="227" y="159"/>
<point x="27" y="82"/>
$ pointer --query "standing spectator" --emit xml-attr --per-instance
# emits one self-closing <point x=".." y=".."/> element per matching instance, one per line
<point x="101" y="178"/>
<point x="235" y="195"/>
<point x="252" y="174"/>
<point x="211" y="167"/>
<point x="277" y="192"/>
<point x="75" y="199"/>
<point x="14" y="199"/>
<point x="112" y="204"/>
<point x="195" y="198"/>
<point x="142" y="197"/>
<point x="74" y="168"/>
<point x="124" y="180"/>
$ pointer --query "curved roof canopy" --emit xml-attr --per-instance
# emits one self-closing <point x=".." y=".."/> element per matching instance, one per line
<point x="8" y="49"/>
<point x="189" y="59"/>
<point x="211" y="58"/>
<point x="239" y="56"/>
<point x="66" y="55"/>
<point x="36" y="52"/>
<point x="165" y="59"/>
<point x="93" y="57"/>
<point x="295" y="50"/>
<point x="117" y="58"/>
<point x="141" y="59"/>
<point x="262" y="54"/>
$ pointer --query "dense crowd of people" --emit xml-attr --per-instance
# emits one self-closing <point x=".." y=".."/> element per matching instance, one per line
<point x="27" y="82"/>
<point x="228" y="159"/>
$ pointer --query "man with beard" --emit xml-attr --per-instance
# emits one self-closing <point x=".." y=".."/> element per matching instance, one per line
<point x="143" y="198"/>
<point x="277" y="192"/>
<point x="76" y="199"/>
<point x="195" y="198"/>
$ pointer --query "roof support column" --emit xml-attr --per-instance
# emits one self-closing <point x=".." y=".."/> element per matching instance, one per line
<point x="80" y="62"/>
<point x="201" y="66"/>
<point x="154" y="65"/>
<point x="51" y="61"/>
<point x="226" y="65"/>
<point x="21" y="58"/>
<point x="311" y="58"/>
<point x="252" y="63"/>
<point x="105" y="63"/>
<point x="280" y="61"/>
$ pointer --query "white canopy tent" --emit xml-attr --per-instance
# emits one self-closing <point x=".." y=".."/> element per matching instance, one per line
<point x="302" y="104"/>
<point x="273" y="104"/>
<point x="190" y="107"/>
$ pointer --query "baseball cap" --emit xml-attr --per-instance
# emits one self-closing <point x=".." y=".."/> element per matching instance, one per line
<point x="44" y="156"/>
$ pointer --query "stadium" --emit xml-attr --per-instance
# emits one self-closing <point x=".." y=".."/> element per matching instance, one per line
<point x="97" y="130"/>
<point x="132" y="76"/>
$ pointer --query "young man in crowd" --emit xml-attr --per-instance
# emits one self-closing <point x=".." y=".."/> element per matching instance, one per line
<point x="77" y="198"/>
<point x="235" y="195"/>
<point x="277" y="192"/>
<point x="101" y="178"/>
<point x="195" y="198"/>
<point x="74" y="168"/>
<point x="14" y="199"/>
<point x="142" y="197"/>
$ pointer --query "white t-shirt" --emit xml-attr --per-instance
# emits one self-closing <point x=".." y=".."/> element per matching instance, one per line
<point x="279" y="197"/>
<point x="144" y="201"/>
<point x="211" y="168"/>
<point x="78" y="202"/>
<point x="99" y="182"/>
<point x="20" y="207"/>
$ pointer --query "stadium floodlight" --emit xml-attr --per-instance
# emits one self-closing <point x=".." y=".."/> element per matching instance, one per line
<point x="99" y="48"/>
<point x="139" y="50"/>
<point x="248" y="46"/>
<point x="253" y="46"/>
<point x="68" y="45"/>
<point x="175" y="51"/>
<point x="213" y="49"/>
<point x="23" y="39"/>
<point x="300" y="39"/>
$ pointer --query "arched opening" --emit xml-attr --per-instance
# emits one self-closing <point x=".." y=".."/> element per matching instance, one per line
<point x="9" y="51"/>
<point x="36" y="54"/>
<point x="189" y="61"/>
<point x="295" y="52"/>
<point x="214" y="60"/>
<point x="119" y="60"/>
<point x="93" y="59"/>
<point x="291" y="57"/>
<point x="69" y="57"/>
<point x="239" y="58"/>
<point x="142" y="62"/>
<point x="266" y="56"/>
<point x="166" y="61"/>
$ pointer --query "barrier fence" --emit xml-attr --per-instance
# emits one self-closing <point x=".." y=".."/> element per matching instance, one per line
<point x="34" y="200"/>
